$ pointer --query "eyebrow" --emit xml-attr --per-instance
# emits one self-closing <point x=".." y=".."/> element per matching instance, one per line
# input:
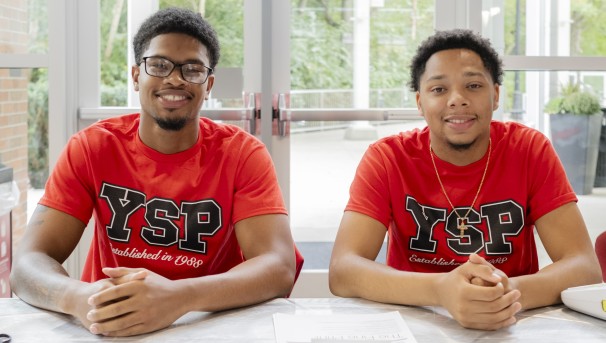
<point x="473" y="73"/>
<point x="190" y="61"/>
<point x="466" y="74"/>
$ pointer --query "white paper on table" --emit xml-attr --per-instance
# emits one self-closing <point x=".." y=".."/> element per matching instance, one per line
<point x="313" y="328"/>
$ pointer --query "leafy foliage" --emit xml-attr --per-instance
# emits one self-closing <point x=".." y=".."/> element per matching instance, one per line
<point x="37" y="128"/>
<point x="319" y="57"/>
<point x="37" y="89"/>
<point x="227" y="18"/>
<point x="322" y="37"/>
<point x="114" y="53"/>
<point x="588" y="24"/>
<point x="396" y="30"/>
<point x="574" y="100"/>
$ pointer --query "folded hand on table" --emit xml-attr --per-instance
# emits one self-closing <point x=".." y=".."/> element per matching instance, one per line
<point x="138" y="301"/>
<point x="479" y="296"/>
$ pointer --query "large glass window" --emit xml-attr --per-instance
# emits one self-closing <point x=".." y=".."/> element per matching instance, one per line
<point x="565" y="28"/>
<point x="24" y="101"/>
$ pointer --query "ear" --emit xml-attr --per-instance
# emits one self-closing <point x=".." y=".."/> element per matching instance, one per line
<point x="419" y="105"/>
<point x="497" y="90"/>
<point x="135" y="74"/>
<point x="209" y="85"/>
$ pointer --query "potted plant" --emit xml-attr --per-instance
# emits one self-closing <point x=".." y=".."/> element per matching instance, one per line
<point x="575" y="124"/>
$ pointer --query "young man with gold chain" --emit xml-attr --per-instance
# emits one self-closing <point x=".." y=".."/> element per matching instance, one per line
<point x="459" y="201"/>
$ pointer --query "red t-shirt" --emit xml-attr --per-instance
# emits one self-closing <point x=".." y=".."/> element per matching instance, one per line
<point x="172" y="214"/>
<point x="396" y="184"/>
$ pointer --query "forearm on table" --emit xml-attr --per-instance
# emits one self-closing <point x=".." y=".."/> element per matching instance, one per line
<point x="251" y="282"/>
<point x="42" y="282"/>
<point x="356" y="276"/>
<point x="544" y="287"/>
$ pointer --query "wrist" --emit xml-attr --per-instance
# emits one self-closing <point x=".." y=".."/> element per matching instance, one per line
<point x="436" y="280"/>
<point x="186" y="296"/>
<point x="70" y="295"/>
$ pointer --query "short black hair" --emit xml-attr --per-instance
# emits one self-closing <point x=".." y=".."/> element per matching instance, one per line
<point x="177" y="20"/>
<point x="455" y="39"/>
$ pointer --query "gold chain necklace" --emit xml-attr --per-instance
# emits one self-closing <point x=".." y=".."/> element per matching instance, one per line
<point x="462" y="220"/>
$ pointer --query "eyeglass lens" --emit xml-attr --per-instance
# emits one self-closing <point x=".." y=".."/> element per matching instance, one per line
<point x="162" y="67"/>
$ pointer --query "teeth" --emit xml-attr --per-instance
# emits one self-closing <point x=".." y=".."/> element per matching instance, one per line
<point x="457" y="121"/>
<point x="173" y="97"/>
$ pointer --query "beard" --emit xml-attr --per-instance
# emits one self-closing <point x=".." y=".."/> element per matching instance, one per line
<point x="171" y="124"/>
<point x="461" y="146"/>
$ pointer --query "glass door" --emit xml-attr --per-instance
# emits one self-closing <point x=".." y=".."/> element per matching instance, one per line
<point x="349" y="75"/>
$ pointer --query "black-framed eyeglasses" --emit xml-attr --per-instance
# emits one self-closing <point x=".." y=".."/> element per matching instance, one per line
<point x="162" y="67"/>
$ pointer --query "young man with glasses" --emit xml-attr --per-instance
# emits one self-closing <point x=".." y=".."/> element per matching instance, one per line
<point x="460" y="201"/>
<point x="188" y="214"/>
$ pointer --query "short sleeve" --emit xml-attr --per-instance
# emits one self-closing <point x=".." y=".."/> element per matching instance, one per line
<point x="68" y="188"/>
<point x="257" y="191"/>
<point x="369" y="192"/>
<point x="549" y="186"/>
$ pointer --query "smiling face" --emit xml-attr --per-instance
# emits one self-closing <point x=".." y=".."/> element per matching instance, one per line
<point x="457" y="97"/>
<point x="171" y="102"/>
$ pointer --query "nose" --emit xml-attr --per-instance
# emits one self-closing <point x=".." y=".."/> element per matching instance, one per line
<point x="457" y="98"/>
<point x="175" y="77"/>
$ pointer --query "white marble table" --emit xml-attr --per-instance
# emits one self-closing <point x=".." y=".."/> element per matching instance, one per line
<point x="25" y="323"/>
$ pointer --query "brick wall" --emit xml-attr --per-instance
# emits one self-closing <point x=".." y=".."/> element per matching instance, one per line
<point x="14" y="39"/>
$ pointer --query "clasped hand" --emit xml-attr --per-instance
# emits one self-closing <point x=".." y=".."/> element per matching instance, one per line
<point x="129" y="302"/>
<point x="479" y="296"/>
